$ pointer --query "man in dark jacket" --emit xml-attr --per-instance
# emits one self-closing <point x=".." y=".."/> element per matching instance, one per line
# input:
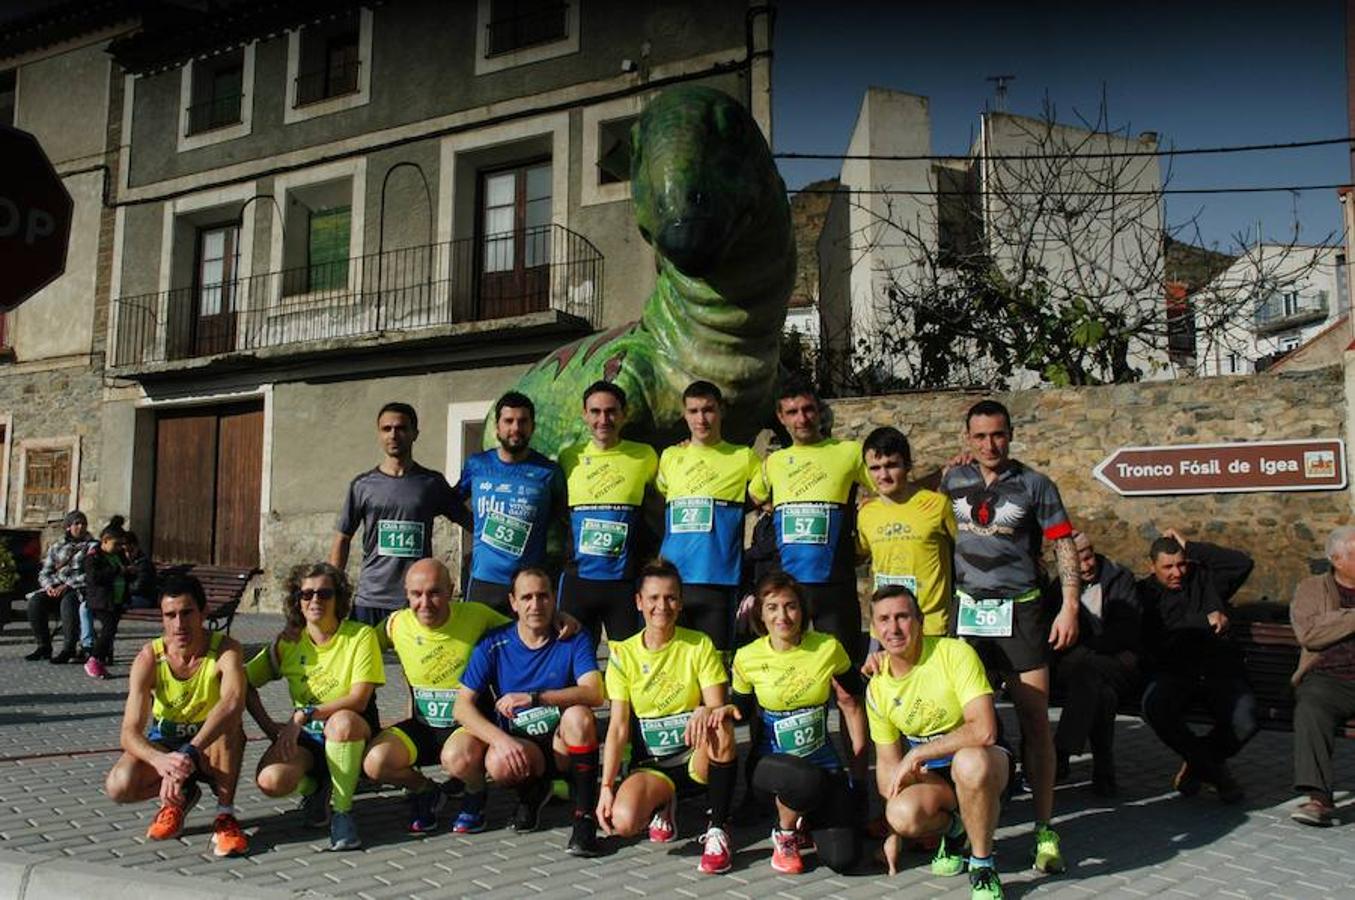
<point x="60" y="584"/>
<point x="1185" y="622"/>
<point x="1101" y="671"/>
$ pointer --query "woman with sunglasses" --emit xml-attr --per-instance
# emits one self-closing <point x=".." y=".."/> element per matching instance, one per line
<point x="332" y="666"/>
<point x="787" y="677"/>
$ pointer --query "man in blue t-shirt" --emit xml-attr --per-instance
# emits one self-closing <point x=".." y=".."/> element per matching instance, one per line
<point x="514" y="494"/>
<point x="544" y="690"/>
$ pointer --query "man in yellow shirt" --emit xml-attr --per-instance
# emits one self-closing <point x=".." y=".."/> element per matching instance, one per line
<point x="934" y="726"/>
<point x="907" y="531"/>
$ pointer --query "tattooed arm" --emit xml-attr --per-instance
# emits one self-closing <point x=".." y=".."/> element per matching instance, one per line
<point x="1063" y="633"/>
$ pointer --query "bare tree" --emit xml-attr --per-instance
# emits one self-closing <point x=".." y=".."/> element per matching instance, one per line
<point x="1041" y="258"/>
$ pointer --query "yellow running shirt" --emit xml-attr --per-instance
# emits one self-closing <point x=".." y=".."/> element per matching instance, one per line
<point x="319" y="674"/>
<point x="929" y="700"/>
<point x="705" y="489"/>
<point x="811" y="488"/>
<point x="663" y="686"/>
<point x="912" y="543"/>
<point x="180" y="706"/>
<point x="606" y="489"/>
<point x="792" y="689"/>
<point x="434" y="658"/>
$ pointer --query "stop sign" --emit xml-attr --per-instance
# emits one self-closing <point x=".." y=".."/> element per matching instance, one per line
<point x="35" y="219"/>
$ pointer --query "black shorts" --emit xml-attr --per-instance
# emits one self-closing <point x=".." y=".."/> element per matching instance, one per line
<point x="600" y="604"/>
<point x="837" y="611"/>
<point x="490" y="593"/>
<point x="709" y="609"/>
<point x="370" y="615"/>
<point x="1026" y="650"/>
<point x="680" y="775"/>
<point x="423" y="741"/>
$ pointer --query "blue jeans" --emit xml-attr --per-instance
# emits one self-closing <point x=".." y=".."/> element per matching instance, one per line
<point x="86" y="626"/>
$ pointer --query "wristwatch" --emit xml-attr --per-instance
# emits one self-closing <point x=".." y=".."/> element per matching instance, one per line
<point x="535" y="697"/>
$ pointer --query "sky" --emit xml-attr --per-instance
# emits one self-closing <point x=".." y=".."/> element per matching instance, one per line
<point x="1199" y="72"/>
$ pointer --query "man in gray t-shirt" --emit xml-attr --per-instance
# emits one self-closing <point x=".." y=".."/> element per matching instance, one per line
<point x="396" y="504"/>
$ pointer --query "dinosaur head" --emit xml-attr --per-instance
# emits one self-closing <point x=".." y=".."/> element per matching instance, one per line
<point x="702" y="177"/>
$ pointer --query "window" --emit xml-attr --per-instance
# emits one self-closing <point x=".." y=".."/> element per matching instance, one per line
<point x="1288" y="342"/>
<point x="330" y="62"/>
<point x="614" y="150"/>
<point x="48" y="480"/>
<point x="327" y="249"/>
<point x="218" y="92"/>
<point x="215" y="284"/>
<point x="317" y="240"/>
<point x="8" y="96"/>
<point x="1291" y="303"/>
<point x="1233" y="363"/>
<point x="515" y="234"/>
<point x="514" y="24"/>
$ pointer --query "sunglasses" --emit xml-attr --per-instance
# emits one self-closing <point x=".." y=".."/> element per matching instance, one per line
<point x="307" y="593"/>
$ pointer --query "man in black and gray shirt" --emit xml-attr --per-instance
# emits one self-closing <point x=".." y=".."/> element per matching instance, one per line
<point x="396" y="504"/>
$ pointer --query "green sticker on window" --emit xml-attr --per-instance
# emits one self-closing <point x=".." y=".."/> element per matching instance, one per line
<point x="691" y="515"/>
<point x="804" y="523"/>
<point x="801" y="733"/>
<point x="506" y="533"/>
<point x="536" y="721"/>
<point x="397" y="538"/>
<point x="602" y="537"/>
<point x="435" y="706"/>
<point x="663" y="736"/>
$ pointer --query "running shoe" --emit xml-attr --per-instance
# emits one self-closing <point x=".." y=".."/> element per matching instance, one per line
<point x="227" y="838"/>
<point x="583" y="839"/>
<point x="984" y="884"/>
<point x="1048" y="856"/>
<point x="1314" y="812"/>
<point x="471" y="818"/>
<point x="663" y="827"/>
<point x="168" y="821"/>
<point x="949" y="858"/>
<point x="715" y="855"/>
<point x="423" y="811"/>
<point x="94" y="668"/>
<point x="315" y="806"/>
<point x="804" y="840"/>
<point x="532" y="798"/>
<point x="786" y="852"/>
<point x="343" y="832"/>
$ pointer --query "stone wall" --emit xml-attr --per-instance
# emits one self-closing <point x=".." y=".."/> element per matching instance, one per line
<point x="1065" y="433"/>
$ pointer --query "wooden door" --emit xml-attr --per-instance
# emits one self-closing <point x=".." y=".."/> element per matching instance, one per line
<point x="185" y="486"/>
<point x="239" y="483"/>
<point x="218" y="264"/>
<point x="515" y="232"/>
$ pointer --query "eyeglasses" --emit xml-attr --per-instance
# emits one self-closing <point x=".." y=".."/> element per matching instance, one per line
<point x="306" y="594"/>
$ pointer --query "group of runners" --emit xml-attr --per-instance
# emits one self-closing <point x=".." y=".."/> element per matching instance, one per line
<point x="505" y="685"/>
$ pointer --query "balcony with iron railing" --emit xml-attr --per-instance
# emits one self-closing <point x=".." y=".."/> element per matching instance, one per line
<point x="1281" y="311"/>
<point x="412" y="293"/>
<point x="215" y="113"/>
<point x="326" y="83"/>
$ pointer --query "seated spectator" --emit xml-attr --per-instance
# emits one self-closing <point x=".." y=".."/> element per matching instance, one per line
<point x="143" y="576"/>
<point x="1101" y="670"/>
<point x="1323" y="613"/>
<point x="1184" y="604"/>
<point x="60" y="586"/>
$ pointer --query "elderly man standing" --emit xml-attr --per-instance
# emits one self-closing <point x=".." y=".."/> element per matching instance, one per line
<point x="1101" y="671"/>
<point x="1323" y="613"/>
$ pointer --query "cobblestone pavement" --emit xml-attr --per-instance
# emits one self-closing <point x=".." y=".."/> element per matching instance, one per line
<point x="58" y="733"/>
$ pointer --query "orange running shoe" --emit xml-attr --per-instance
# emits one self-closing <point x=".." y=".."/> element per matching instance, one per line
<point x="786" y="852"/>
<point x="169" y="820"/>
<point x="227" y="838"/>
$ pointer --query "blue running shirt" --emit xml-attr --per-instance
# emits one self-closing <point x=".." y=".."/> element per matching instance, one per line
<point x="511" y="509"/>
<point x="502" y="664"/>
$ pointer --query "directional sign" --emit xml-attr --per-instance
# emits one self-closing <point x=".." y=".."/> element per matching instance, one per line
<point x="1313" y="465"/>
<point x="35" y="219"/>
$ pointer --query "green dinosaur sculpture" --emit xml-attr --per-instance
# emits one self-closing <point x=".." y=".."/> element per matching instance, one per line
<point x="709" y="200"/>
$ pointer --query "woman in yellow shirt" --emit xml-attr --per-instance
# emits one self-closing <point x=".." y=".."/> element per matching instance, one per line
<point x="332" y="667"/>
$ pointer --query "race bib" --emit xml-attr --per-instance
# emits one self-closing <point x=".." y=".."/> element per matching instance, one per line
<point x="170" y="732"/>
<point x="801" y="733"/>
<point x="804" y="523"/>
<point x="985" y="618"/>
<point x="602" y="537"/>
<point x="506" y="533"/>
<point x="435" y="706"/>
<point x="940" y="763"/>
<point x="397" y="538"/>
<point x="535" y="721"/>
<point x="907" y="581"/>
<point x="691" y="515"/>
<point x="663" y="736"/>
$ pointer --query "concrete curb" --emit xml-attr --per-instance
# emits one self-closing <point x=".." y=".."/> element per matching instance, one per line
<point x="24" y="876"/>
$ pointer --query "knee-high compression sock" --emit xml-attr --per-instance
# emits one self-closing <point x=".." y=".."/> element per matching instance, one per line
<point x="722" y="778"/>
<point x="584" y="762"/>
<point x="345" y="764"/>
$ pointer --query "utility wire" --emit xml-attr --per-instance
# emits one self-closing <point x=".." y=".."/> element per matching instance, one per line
<point x="1054" y="192"/>
<point x="1109" y="154"/>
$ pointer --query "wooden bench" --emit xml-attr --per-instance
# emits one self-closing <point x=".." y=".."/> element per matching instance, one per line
<point x="224" y="585"/>
<point x="1271" y="652"/>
